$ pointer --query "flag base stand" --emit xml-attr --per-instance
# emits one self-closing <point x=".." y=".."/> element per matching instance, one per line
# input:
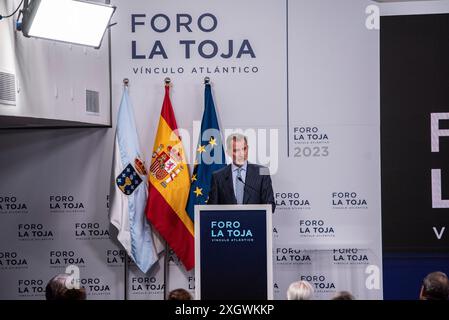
<point x="126" y="276"/>
<point x="166" y="270"/>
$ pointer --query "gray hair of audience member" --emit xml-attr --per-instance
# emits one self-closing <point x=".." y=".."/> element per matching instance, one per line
<point x="435" y="286"/>
<point x="60" y="287"/>
<point x="343" y="295"/>
<point x="234" y="137"/>
<point x="300" y="290"/>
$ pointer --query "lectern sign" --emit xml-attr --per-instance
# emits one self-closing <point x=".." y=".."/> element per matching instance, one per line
<point x="233" y="252"/>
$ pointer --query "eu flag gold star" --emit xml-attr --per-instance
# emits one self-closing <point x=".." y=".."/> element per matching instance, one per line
<point x="201" y="148"/>
<point x="194" y="177"/>
<point x="198" y="191"/>
<point x="212" y="142"/>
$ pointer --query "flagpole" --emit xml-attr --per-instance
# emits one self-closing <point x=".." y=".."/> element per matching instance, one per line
<point x="125" y="85"/>
<point x="165" y="270"/>
<point x="167" y="82"/>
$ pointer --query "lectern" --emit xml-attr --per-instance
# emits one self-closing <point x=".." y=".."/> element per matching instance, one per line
<point x="233" y="252"/>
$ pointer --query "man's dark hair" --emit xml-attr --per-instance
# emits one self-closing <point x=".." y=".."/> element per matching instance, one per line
<point x="435" y="286"/>
<point x="179" y="294"/>
<point x="343" y="295"/>
<point x="57" y="289"/>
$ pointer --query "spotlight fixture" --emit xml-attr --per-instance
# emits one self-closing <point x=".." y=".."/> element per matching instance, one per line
<point x="71" y="21"/>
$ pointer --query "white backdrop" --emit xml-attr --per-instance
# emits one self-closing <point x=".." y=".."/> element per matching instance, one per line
<point x="310" y="78"/>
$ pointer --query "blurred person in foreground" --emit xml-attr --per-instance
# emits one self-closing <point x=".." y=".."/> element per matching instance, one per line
<point x="62" y="287"/>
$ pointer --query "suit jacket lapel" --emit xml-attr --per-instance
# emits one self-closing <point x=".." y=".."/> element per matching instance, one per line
<point x="248" y="182"/>
<point x="230" y="184"/>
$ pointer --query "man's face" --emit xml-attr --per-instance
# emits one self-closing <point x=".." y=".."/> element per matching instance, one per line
<point x="239" y="152"/>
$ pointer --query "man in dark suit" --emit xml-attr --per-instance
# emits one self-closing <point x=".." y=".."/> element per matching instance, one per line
<point x="241" y="182"/>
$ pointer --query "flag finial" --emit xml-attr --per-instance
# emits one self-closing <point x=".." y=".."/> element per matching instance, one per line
<point x="125" y="82"/>
<point x="167" y="81"/>
<point x="206" y="80"/>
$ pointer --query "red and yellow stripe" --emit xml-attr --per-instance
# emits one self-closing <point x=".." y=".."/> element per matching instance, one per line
<point x="166" y="207"/>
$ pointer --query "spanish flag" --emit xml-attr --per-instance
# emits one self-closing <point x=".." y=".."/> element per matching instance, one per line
<point x="169" y="185"/>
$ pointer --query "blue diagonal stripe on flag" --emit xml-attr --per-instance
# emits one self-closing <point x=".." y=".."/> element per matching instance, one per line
<point x="130" y="191"/>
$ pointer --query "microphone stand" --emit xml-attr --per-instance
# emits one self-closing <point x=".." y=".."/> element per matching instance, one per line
<point x="254" y="189"/>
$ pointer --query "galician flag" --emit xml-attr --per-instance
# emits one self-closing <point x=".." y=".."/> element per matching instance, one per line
<point x="129" y="191"/>
<point x="169" y="187"/>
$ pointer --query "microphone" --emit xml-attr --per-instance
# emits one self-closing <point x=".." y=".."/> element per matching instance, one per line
<point x="255" y="190"/>
<point x="241" y="180"/>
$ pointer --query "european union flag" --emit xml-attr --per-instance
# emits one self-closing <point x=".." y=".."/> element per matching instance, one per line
<point x="210" y="155"/>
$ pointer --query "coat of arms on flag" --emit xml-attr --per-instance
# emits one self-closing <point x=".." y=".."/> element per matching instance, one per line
<point x="129" y="190"/>
<point x="166" y="164"/>
<point x="128" y="180"/>
<point x="169" y="185"/>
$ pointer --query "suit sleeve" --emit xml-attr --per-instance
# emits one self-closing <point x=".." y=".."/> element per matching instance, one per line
<point x="213" y="193"/>
<point x="267" y="192"/>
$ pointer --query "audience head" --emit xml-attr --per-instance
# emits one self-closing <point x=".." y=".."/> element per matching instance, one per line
<point x="61" y="287"/>
<point x="179" y="294"/>
<point x="300" y="290"/>
<point x="343" y="295"/>
<point x="435" y="286"/>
